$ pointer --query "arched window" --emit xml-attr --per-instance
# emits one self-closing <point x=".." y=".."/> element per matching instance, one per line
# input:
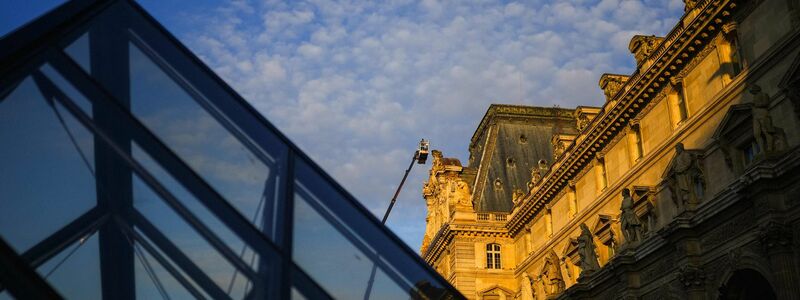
<point x="493" y="256"/>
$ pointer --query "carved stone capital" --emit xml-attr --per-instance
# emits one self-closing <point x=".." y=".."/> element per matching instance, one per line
<point x="675" y="80"/>
<point x="611" y="84"/>
<point x="775" y="237"/>
<point x="729" y="27"/>
<point x="689" y="5"/>
<point x="692" y="277"/>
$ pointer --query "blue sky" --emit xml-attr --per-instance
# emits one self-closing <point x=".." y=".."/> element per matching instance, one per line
<point x="357" y="84"/>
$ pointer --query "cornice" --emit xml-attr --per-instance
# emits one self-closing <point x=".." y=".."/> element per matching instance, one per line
<point x="449" y="231"/>
<point x="679" y="47"/>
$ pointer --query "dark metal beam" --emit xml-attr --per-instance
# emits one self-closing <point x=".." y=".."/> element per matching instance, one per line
<point x="22" y="281"/>
<point x="67" y="235"/>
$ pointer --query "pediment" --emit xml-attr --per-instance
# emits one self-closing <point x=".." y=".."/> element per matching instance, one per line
<point x="792" y="75"/>
<point x="642" y="200"/>
<point x="571" y="251"/>
<point x="731" y="124"/>
<point x="496" y="290"/>
<point x="602" y="228"/>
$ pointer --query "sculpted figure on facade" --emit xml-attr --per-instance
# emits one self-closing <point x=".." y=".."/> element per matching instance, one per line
<point x="631" y="226"/>
<point x="558" y="146"/>
<point x="583" y="121"/>
<point x="690" y="4"/>
<point x="685" y="179"/>
<point x="535" y="178"/>
<point x="462" y="194"/>
<point x="526" y="288"/>
<point x="551" y="275"/>
<point x="611" y="84"/>
<point x="765" y="133"/>
<point x="586" y="251"/>
<point x="437" y="164"/>
<point x="543" y="167"/>
<point x="517" y="197"/>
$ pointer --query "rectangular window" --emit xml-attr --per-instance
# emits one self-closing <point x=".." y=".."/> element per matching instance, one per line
<point x="681" y="103"/>
<point x="573" y="201"/>
<point x="637" y="135"/>
<point x="736" y="56"/>
<point x="602" y="180"/>
<point x="548" y="219"/>
<point x="749" y="152"/>
<point x="493" y="256"/>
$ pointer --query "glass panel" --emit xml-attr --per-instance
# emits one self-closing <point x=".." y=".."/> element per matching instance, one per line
<point x="188" y="200"/>
<point x="333" y="237"/>
<point x="69" y="90"/>
<point x="79" y="51"/>
<point x="169" y="261"/>
<point x="325" y="254"/>
<point x="83" y="259"/>
<point x="295" y="294"/>
<point x="180" y="233"/>
<point x="5" y="295"/>
<point x="40" y="149"/>
<point x="194" y="134"/>
<point x="150" y="275"/>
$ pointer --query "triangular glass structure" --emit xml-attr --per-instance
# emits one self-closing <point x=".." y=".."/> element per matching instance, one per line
<point x="116" y="134"/>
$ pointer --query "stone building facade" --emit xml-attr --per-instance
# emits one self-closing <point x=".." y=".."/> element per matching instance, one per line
<point x="684" y="184"/>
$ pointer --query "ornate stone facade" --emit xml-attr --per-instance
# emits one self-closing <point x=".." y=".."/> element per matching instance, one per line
<point x="699" y="202"/>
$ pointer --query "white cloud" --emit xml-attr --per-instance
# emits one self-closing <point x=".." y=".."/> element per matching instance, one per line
<point x="357" y="84"/>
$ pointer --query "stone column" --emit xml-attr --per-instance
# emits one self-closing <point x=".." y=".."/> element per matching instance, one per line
<point x="776" y="239"/>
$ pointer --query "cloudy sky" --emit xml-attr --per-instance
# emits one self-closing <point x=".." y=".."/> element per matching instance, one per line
<point x="357" y="84"/>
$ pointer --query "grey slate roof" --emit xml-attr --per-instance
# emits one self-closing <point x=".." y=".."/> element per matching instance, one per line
<point x="507" y="144"/>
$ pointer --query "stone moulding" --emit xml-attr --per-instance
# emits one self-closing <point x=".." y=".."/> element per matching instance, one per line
<point x="674" y="53"/>
<point x="448" y="232"/>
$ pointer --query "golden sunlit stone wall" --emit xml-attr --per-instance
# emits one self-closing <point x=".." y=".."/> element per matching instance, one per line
<point x="713" y="63"/>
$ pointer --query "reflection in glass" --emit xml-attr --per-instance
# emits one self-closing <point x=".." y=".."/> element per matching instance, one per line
<point x="81" y="258"/>
<point x="180" y="233"/>
<point x="79" y="52"/>
<point x="42" y="146"/>
<point x="152" y="279"/>
<point x="195" y="135"/>
<point x="325" y="254"/>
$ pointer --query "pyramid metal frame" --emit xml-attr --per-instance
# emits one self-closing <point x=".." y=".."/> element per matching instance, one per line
<point x="115" y="128"/>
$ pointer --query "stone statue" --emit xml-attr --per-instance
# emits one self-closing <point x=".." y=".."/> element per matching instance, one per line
<point x="685" y="178"/>
<point x="526" y="288"/>
<point x="517" y="197"/>
<point x="551" y="275"/>
<point x="631" y="226"/>
<point x="536" y="176"/>
<point x="765" y="133"/>
<point x="463" y="193"/>
<point x="558" y="147"/>
<point x="543" y="167"/>
<point x="437" y="164"/>
<point x="690" y="4"/>
<point x="586" y="250"/>
<point x="583" y="122"/>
